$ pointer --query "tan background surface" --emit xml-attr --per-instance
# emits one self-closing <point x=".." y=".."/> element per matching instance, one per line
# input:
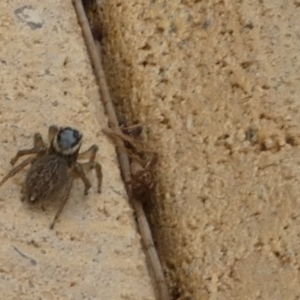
<point x="217" y="85"/>
<point x="94" y="252"/>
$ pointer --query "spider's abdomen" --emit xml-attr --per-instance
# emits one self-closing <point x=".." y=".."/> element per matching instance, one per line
<point x="46" y="177"/>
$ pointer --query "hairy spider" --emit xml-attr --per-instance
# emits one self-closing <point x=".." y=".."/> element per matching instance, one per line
<point x="53" y="168"/>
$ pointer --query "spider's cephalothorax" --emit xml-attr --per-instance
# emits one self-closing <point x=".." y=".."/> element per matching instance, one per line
<point x="66" y="143"/>
<point x="53" y="168"/>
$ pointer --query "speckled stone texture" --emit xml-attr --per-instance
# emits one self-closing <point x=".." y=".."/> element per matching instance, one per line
<point x="94" y="252"/>
<point x="217" y="85"/>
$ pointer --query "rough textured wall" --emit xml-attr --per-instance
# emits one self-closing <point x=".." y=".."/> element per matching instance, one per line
<point x="217" y="85"/>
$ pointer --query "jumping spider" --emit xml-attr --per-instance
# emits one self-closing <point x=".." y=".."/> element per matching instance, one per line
<point x="53" y="168"/>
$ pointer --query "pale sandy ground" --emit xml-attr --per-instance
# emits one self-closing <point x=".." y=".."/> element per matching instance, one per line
<point x="217" y="85"/>
<point x="94" y="252"/>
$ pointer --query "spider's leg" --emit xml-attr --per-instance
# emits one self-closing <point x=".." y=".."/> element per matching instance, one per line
<point x="17" y="169"/>
<point x="39" y="148"/>
<point x="131" y="127"/>
<point x="94" y="165"/>
<point x="65" y="197"/>
<point x="126" y="138"/>
<point x="79" y="172"/>
<point x="89" y="153"/>
<point x="91" y="164"/>
<point x="52" y="131"/>
<point x="38" y="141"/>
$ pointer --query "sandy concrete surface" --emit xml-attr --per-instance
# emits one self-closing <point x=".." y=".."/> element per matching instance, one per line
<point x="94" y="252"/>
<point x="217" y="85"/>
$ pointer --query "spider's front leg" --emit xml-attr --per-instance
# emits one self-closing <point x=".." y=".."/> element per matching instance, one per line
<point x="38" y="149"/>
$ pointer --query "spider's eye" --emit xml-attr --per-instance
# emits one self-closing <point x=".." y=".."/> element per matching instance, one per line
<point x="68" y="137"/>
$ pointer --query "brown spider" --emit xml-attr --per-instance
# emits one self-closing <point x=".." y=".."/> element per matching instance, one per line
<point x="53" y="169"/>
<point x="142" y="179"/>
